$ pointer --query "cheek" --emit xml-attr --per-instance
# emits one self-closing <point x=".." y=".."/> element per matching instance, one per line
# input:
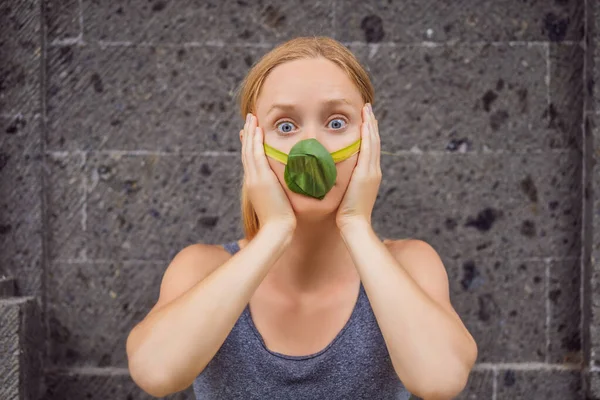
<point x="279" y="169"/>
<point x="345" y="169"/>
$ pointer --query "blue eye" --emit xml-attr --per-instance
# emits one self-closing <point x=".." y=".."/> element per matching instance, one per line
<point x="337" y="125"/>
<point x="288" y="128"/>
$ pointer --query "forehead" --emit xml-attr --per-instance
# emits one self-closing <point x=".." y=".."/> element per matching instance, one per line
<point x="307" y="80"/>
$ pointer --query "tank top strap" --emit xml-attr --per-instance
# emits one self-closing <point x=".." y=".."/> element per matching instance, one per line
<point x="232" y="247"/>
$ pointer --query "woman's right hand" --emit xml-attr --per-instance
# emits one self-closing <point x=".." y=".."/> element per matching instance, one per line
<point x="263" y="188"/>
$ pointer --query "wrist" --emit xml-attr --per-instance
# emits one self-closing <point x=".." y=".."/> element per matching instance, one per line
<point x="279" y="229"/>
<point x="354" y="226"/>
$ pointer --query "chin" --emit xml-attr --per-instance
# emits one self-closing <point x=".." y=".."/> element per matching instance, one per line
<point x="309" y="208"/>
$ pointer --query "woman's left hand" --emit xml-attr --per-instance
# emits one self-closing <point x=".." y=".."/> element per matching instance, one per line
<point x="359" y="199"/>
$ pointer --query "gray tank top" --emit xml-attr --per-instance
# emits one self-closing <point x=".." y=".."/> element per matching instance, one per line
<point x="355" y="365"/>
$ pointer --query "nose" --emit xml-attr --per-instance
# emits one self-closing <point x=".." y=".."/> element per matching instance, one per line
<point x="312" y="131"/>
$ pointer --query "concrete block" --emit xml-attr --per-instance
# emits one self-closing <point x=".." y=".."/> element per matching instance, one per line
<point x="20" y="52"/>
<point x="483" y="205"/>
<point x="594" y="57"/>
<point x="596" y="78"/>
<point x="150" y="207"/>
<point x="458" y="179"/>
<point x="416" y="21"/>
<point x="593" y="270"/>
<point x="146" y="98"/>
<point x="21" y="346"/>
<point x="7" y="287"/>
<point x="566" y="95"/>
<point x="207" y="21"/>
<point x="20" y="187"/>
<point x="62" y="19"/>
<point x="199" y="110"/>
<point x="480" y="386"/>
<point x="461" y="98"/>
<point x="565" y="345"/>
<point x="65" y="175"/>
<point x="502" y="301"/>
<point x="549" y="211"/>
<point x="20" y="134"/>
<point x="21" y="202"/>
<point x="593" y="385"/>
<point x="550" y="385"/>
<point x="594" y="327"/>
<point x="103" y="93"/>
<point x="92" y="308"/>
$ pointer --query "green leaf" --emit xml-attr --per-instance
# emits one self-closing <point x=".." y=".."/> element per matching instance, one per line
<point x="310" y="169"/>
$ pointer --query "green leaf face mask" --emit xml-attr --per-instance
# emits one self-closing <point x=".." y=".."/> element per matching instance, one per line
<point x="309" y="168"/>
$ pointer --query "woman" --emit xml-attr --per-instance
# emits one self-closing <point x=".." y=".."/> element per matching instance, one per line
<point x="310" y="304"/>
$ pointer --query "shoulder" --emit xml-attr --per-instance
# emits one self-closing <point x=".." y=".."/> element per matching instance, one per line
<point x="410" y="247"/>
<point x="423" y="264"/>
<point x="189" y="266"/>
<point x="199" y="251"/>
<point x="199" y="259"/>
<point x="418" y="257"/>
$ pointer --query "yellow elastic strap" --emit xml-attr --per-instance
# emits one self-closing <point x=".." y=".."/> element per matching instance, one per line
<point x="346" y="152"/>
<point x="337" y="156"/>
<point x="276" y="154"/>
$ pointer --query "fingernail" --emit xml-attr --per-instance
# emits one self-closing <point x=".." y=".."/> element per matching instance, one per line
<point x="248" y="116"/>
<point x="370" y="108"/>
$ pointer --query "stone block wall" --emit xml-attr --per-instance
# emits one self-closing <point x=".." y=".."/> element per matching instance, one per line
<point x="119" y="146"/>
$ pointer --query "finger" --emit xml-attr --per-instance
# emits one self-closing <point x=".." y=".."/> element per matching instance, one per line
<point x="250" y="167"/>
<point x="244" y="145"/>
<point x="243" y="137"/>
<point x="378" y="145"/>
<point x="259" y="151"/>
<point x="374" y="141"/>
<point x="372" y="149"/>
<point x="363" y="159"/>
<point x="242" y="152"/>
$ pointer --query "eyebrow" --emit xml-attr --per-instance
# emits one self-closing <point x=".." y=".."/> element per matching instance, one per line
<point x="328" y="102"/>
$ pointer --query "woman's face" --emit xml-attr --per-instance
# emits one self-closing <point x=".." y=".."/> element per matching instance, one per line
<point x="311" y="98"/>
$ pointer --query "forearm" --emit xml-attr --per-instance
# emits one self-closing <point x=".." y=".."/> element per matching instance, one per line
<point x="431" y="350"/>
<point x="176" y="342"/>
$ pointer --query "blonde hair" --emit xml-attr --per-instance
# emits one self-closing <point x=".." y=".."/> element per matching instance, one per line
<point x="294" y="49"/>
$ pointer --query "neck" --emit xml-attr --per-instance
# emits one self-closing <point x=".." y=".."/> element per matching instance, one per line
<point x="316" y="258"/>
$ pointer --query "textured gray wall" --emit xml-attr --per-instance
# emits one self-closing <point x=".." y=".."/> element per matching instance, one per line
<point x="119" y="147"/>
